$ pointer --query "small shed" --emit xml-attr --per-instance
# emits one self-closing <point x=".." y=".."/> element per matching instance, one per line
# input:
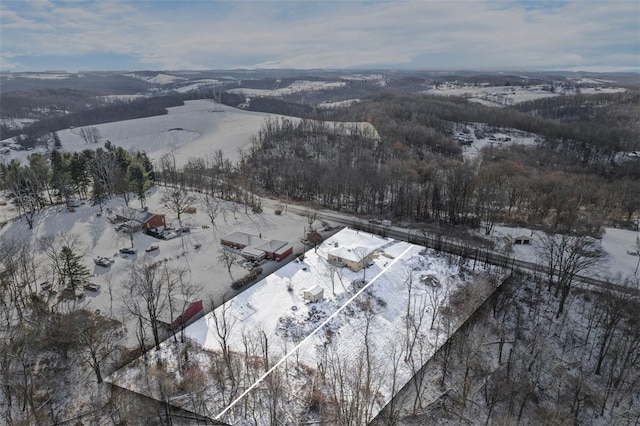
<point x="314" y="293"/>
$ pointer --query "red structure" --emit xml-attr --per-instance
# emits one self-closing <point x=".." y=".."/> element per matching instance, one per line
<point x="193" y="309"/>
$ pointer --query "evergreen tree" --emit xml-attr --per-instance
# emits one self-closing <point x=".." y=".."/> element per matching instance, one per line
<point x="99" y="195"/>
<point x="60" y="174"/>
<point x="138" y="179"/>
<point x="73" y="273"/>
<point x="56" y="141"/>
<point x="79" y="174"/>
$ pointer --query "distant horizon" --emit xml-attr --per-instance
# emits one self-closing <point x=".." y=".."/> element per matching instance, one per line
<point x="561" y="35"/>
<point x="353" y="70"/>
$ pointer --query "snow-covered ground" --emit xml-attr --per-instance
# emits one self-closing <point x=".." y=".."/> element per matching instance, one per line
<point x="98" y="237"/>
<point x="296" y="329"/>
<point x="159" y="78"/>
<point x="498" y="94"/>
<point x="197" y="129"/>
<point x="198" y="84"/>
<point x="42" y="75"/>
<point x="126" y="98"/>
<point x="476" y="136"/>
<point x="295" y="87"/>
<point x="339" y="104"/>
<point x="16" y="123"/>
<point x="510" y="95"/>
<point x="615" y="243"/>
<point x="596" y="90"/>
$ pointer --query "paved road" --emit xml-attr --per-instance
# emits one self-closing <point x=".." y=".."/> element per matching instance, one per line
<point x="418" y="236"/>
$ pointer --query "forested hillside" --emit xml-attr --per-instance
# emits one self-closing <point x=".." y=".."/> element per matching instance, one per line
<point x="577" y="176"/>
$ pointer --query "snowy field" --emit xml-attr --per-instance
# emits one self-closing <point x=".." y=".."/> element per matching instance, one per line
<point x="318" y="333"/>
<point x="615" y="243"/>
<point x="340" y="104"/>
<point x="198" y="84"/>
<point x="159" y="78"/>
<point x="295" y="87"/>
<point x="497" y="94"/>
<point x="510" y="95"/>
<point x="198" y="129"/>
<point x="476" y="136"/>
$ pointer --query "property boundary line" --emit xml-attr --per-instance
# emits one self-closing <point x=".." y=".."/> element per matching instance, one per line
<point x="325" y="322"/>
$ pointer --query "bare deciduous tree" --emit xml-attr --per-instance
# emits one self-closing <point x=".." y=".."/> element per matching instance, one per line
<point x="227" y="258"/>
<point x="146" y="298"/>
<point x="98" y="338"/>
<point x="178" y="200"/>
<point x="90" y="135"/>
<point x="311" y="216"/>
<point x="212" y="207"/>
<point x="566" y="256"/>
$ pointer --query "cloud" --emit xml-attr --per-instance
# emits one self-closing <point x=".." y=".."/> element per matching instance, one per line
<point x="338" y="34"/>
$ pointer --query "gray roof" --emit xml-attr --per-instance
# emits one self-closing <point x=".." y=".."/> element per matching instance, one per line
<point x="141" y="216"/>
<point x="242" y="238"/>
<point x="272" y="246"/>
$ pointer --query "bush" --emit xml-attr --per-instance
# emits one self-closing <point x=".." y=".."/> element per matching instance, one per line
<point x="241" y="282"/>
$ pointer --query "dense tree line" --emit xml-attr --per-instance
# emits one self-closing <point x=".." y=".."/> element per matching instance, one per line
<point x="96" y="175"/>
<point x="514" y="362"/>
<point x="145" y="107"/>
<point x="417" y="174"/>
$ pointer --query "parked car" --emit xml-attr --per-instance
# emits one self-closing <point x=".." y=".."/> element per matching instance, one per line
<point x="127" y="250"/>
<point x="102" y="261"/>
<point x="152" y="247"/>
<point x="169" y="235"/>
<point x="91" y="287"/>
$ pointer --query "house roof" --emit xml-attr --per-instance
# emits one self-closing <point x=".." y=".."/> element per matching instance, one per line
<point x="242" y="238"/>
<point x="141" y="216"/>
<point x="355" y="254"/>
<point x="272" y="246"/>
<point x="316" y="290"/>
<point x="252" y="251"/>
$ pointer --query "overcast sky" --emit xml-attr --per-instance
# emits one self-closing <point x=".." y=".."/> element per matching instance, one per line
<point x="594" y="35"/>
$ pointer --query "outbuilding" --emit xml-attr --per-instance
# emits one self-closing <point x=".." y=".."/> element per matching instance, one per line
<point x="314" y="293"/>
<point x="275" y="249"/>
<point x="253" y="253"/>
<point x="522" y="239"/>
